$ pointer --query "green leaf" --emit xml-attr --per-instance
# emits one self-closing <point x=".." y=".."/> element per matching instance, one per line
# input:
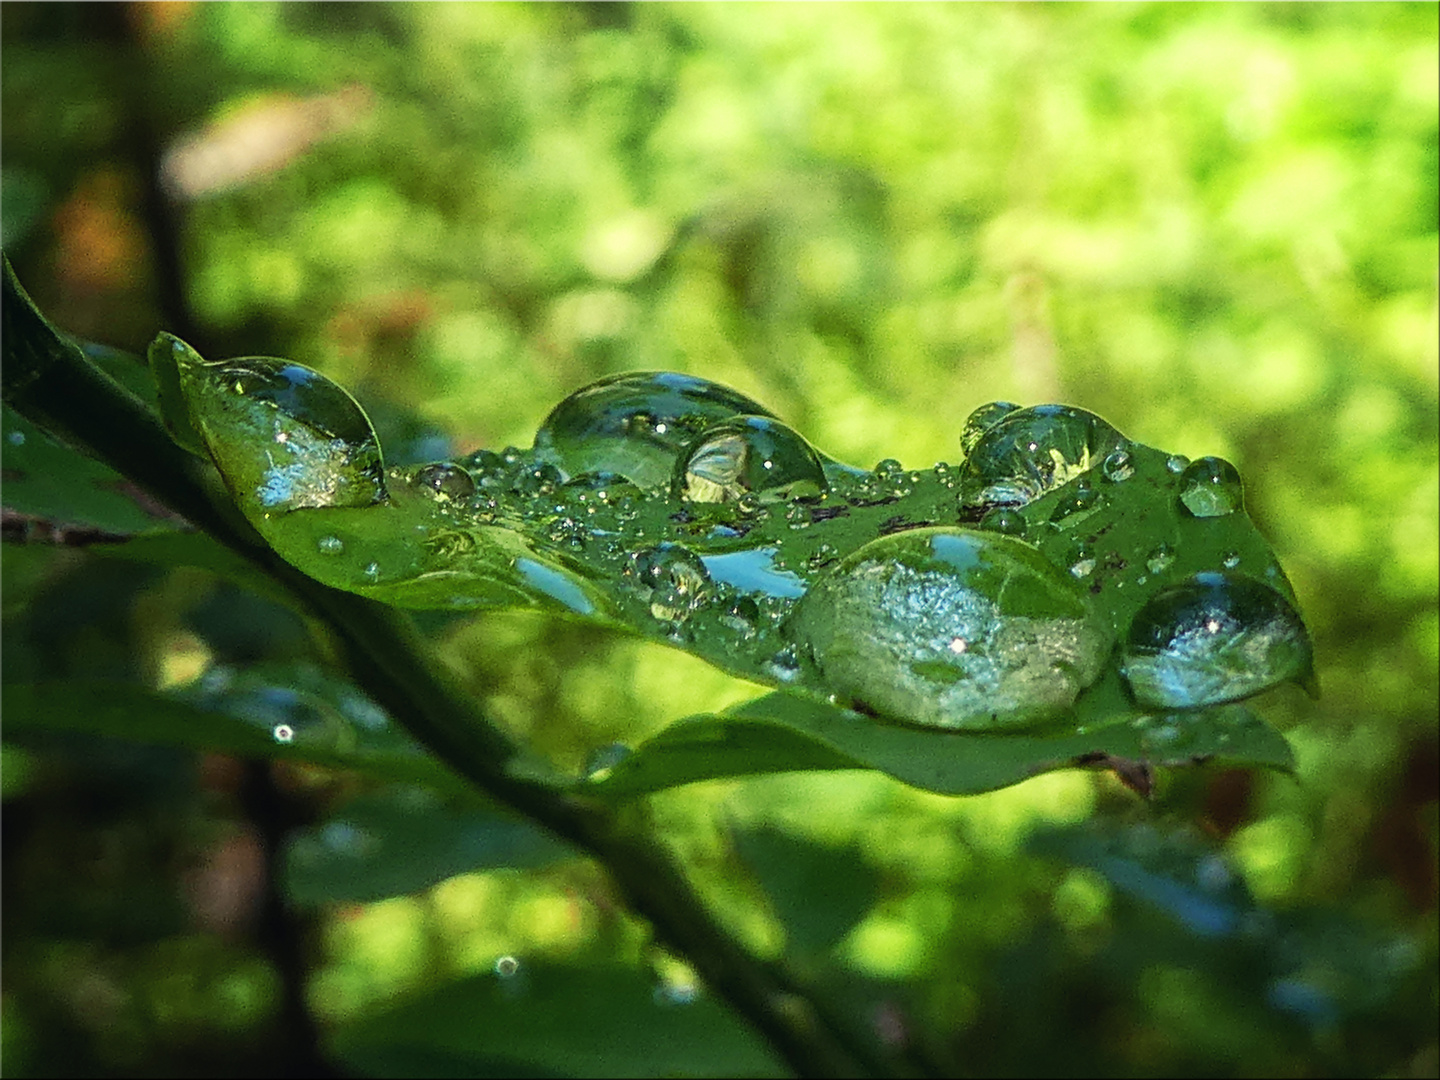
<point x="49" y="480"/>
<point x="401" y="840"/>
<point x="546" y="1019"/>
<point x="251" y="717"/>
<point x="781" y="732"/>
<point x="819" y="892"/>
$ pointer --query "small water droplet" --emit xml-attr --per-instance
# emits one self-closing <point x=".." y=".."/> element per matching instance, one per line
<point x="1231" y="560"/>
<point x="283" y="733"/>
<point x="1210" y="487"/>
<point x="1029" y="452"/>
<point x="1217" y="637"/>
<point x="16" y="438"/>
<point x="331" y="545"/>
<point x="742" y="615"/>
<point x="756" y="455"/>
<point x="671" y="577"/>
<point x="1083" y="567"/>
<point x="784" y="666"/>
<point x="981" y="420"/>
<point x="1081" y="496"/>
<point x="1160" y="560"/>
<point x="883" y="626"/>
<point x="1176" y="463"/>
<point x="1003" y="519"/>
<point x="446" y="480"/>
<point x="636" y="424"/>
<point x="888" y="467"/>
<point x="1118" y="467"/>
<point x="600" y="761"/>
<point x="507" y="967"/>
<point x="372" y="571"/>
<point x="540" y="479"/>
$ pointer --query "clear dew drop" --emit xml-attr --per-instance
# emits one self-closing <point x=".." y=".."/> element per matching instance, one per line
<point x="981" y="420"/>
<point x="1210" y="487"/>
<point x="15" y="438"/>
<point x="283" y="733"/>
<point x="602" y="760"/>
<point x="742" y="615"/>
<point x="1118" y="466"/>
<point x="446" y="480"/>
<point x="507" y="967"/>
<point x="1217" y="637"/>
<point x="331" y="545"/>
<point x="284" y="435"/>
<point x="748" y="455"/>
<point x="671" y="577"/>
<point x="1161" y="559"/>
<point x="1029" y="452"/>
<point x="1176" y="463"/>
<point x="636" y="424"/>
<point x="952" y="628"/>
<point x="1003" y="519"/>
<point x="1230" y="560"/>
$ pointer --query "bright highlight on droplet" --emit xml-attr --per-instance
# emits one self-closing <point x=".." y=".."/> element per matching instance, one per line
<point x="283" y="733"/>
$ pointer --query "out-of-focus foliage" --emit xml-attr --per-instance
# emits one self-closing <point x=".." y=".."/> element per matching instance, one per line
<point x="1215" y="225"/>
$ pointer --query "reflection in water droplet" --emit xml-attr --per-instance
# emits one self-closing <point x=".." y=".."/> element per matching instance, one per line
<point x="1160" y="559"/>
<point x="1031" y="451"/>
<point x="1210" y="487"/>
<point x="16" y="438"/>
<point x="1118" y="467"/>
<point x="446" y="479"/>
<point x="753" y="571"/>
<point x="784" y="666"/>
<point x="1002" y="519"/>
<point x="882" y="627"/>
<point x="671" y="577"/>
<point x="636" y="424"/>
<point x="507" y="967"/>
<point x="748" y="455"/>
<point x="981" y="420"/>
<point x="1214" y="638"/>
<point x="1231" y="560"/>
<point x="331" y="545"/>
<point x="742" y="615"/>
<point x="283" y="733"/>
<point x="1176" y="463"/>
<point x="372" y="571"/>
<point x="283" y="434"/>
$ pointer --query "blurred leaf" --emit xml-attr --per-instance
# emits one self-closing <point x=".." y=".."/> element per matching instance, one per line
<point x="819" y="891"/>
<point x="251" y="717"/>
<point x="546" y="1019"/>
<point x="399" y="841"/>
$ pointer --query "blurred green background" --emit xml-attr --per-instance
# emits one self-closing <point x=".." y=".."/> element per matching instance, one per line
<point x="1214" y="225"/>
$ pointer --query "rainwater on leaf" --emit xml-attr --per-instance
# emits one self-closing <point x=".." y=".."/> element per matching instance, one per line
<point x="748" y="455"/>
<point x="1217" y="637"/>
<point x="952" y="628"/>
<point x="1029" y="452"/>
<point x="1210" y="487"/>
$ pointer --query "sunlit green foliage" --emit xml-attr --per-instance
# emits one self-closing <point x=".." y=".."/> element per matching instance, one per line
<point x="1214" y="225"/>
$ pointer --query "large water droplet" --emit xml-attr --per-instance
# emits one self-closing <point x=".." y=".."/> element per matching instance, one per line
<point x="981" y="420"/>
<point x="282" y="434"/>
<point x="1211" y="639"/>
<point x="1031" y="451"/>
<point x="748" y="455"/>
<point x="446" y="479"/>
<point x="952" y="628"/>
<point x="1210" y="487"/>
<point x="636" y="424"/>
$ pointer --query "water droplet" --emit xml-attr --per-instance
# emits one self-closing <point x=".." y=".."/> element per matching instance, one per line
<point x="282" y="434"/>
<point x="672" y="577"/>
<point x="784" y="666"/>
<point x="507" y="967"/>
<point x="1031" y="451"/>
<point x="447" y="480"/>
<point x="283" y="733"/>
<point x="676" y="993"/>
<point x="600" y="761"/>
<point x="1214" y="638"/>
<point x="1160" y="560"/>
<point x="1231" y="560"/>
<point x="331" y="545"/>
<point x="540" y="479"/>
<point x="1176" y="463"/>
<point x="636" y="424"/>
<point x="16" y="438"/>
<point x="1081" y="496"/>
<point x="1083" y="567"/>
<point x="748" y="455"/>
<point x="883" y="624"/>
<point x="981" y="420"/>
<point x="1119" y="466"/>
<point x="1003" y="519"/>
<point x="372" y="571"/>
<point x="742" y="615"/>
<point x="888" y="467"/>
<point x="754" y="571"/>
<point x="1210" y="487"/>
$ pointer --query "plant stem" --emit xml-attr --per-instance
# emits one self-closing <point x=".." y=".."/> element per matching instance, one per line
<point x="53" y="384"/>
